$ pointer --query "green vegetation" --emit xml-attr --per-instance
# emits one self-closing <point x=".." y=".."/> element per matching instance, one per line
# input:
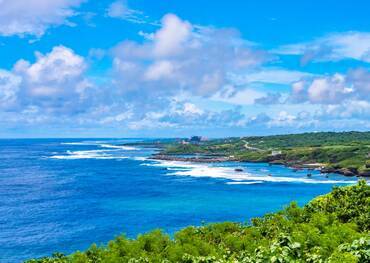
<point x="345" y="152"/>
<point x="331" y="228"/>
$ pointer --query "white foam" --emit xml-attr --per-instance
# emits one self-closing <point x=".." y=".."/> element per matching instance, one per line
<point x="138" y="158"/>
<point x="205" y="170"/>
<point x="126" y="148"/>
<point x="105" y="153"/>
<point x="77" y="143"/>
<point x="92" y="154"/>
<point x="171" y="164"/>
<point x="102" y="145"/>
<point x="255" y="182"/>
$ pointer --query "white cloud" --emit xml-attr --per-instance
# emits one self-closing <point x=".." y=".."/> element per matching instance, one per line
<point x="34" y="17"/>
<point x="120" y="9"/>
<point x="117" y="118"/>
<point x="270" y="75"/>
<point x="151" y="120"/>
<point x="270" y="98"/>
<point x="181" y="57"/>
<point x="183" y="114"/>
<point x="354" y="109"/>
<point x="169" y="39"/>
<point x="57" y="66"/>
<point x="117" y="9"/>
<point x="328" y="90"/>
<point x="299" y="91"/>
<point x="333" y="89"/>
<point x="283" y="119"/>
<point x="55" y="74"/>
<point x="239" y="97"/>
<point x="159" y="69"/>
<point x="189" y="109"/>
<point x="9" y="86"/>
<point x="55" y="82"/>
<point x="347" y="45"/>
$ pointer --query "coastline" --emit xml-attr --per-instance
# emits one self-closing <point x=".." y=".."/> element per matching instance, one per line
<point x="163" y="194"/>
<point x="298" y="166"/>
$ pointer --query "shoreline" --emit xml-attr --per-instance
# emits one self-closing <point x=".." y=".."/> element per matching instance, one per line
<point x="297" y="166"/>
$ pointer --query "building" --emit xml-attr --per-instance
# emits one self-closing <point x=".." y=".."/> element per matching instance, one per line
<point x="197" y="139"/>
<point x="274" y="153"/>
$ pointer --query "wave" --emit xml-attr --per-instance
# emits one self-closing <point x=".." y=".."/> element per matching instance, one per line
<point x="102" y="145"/>
<point x="140" y="158"/>
<point x="176" y="168"/>
<point x="92" y="154"/>
<point x="255" y="182"/>
<point x="105" y="151"/>
<point x="170" y="164"/>
<point x="76" y="143"/>
<point x="122" y="147"/>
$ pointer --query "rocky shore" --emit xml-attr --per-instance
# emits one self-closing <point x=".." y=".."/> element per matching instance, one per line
<point x="294" y="165"/>
<point x="191" y="159"/>
<point x="345" y="171"/>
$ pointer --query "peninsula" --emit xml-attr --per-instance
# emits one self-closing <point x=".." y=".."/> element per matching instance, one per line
<point x="347" y="153"/>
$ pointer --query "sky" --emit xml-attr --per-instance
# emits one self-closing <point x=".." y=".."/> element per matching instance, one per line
<point x="143" y="68"/>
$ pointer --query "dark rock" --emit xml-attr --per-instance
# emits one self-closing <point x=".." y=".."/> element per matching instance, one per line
<point x="364" y="173"/>
<point x="190" y="159"/>
<point x="347" y="172"/>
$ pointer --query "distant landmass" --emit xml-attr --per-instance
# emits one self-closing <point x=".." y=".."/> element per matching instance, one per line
<point x="347" y="153"/>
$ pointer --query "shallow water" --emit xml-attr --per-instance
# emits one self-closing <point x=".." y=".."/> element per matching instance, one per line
<point x="64" y="194"/>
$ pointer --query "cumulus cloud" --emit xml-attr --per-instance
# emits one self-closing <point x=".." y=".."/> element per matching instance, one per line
<point x="283" y="118"/>
<point x="34" y="17"/>
<point x="338" y="101"/>
<point x="184" y="114"/>
<point x="333" y="89"/>
<point x="180" y="56"/>
<point x="54" y="82"/>
<point x="154" y="82"/>
<point x="171" y="37"/>
<point x="347" y="45"/>
<point x="353" y="109"/>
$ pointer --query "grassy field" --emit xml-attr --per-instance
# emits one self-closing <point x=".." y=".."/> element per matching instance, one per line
<point x="345" y="152"/>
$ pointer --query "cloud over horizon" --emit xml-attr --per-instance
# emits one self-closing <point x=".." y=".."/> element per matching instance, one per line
<point x="333" y="89"/>
<point x="179" y="56"/>
<point x="167" y="72"/>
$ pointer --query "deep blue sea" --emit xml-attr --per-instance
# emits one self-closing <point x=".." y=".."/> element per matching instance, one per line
<point x="65" y="194"/>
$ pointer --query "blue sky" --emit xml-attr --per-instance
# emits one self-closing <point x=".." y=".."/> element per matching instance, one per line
<point x="136" y="68"/>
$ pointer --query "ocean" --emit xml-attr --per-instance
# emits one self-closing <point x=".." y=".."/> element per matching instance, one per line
<point x="65" y="194"/>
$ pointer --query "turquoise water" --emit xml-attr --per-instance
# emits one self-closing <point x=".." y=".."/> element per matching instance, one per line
<point x="64" y="194"/>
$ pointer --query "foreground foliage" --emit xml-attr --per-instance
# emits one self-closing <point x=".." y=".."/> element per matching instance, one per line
<point x="331" y="228"/>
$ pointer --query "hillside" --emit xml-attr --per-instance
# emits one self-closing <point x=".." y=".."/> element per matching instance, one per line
<point x="346" y="152"/>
